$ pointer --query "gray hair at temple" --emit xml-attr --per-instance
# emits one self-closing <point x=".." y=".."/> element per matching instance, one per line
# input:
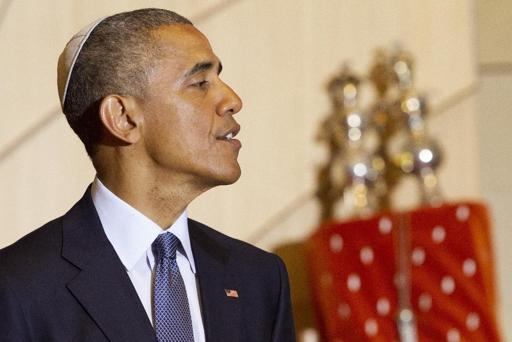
<point x="113" y="58"/>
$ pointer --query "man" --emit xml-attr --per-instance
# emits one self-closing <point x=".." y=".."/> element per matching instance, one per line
<point x="142" y="91"/>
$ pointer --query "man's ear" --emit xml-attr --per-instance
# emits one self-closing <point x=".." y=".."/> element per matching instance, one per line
<point x="121" y="118"/>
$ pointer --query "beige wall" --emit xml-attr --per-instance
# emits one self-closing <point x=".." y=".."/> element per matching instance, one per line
<point x="494" y="32"/>
<point x="495" y="148"/>
<point x="278" y="56"/>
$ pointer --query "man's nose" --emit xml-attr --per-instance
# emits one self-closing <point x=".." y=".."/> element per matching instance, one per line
<point x="231" y="103"/>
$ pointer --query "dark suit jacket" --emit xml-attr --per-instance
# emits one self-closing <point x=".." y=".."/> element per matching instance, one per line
<point x="64" y="282"/>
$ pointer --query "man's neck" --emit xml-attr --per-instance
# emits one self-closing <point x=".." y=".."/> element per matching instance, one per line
<point x="162" y="201"/>
<point x="156" y="192"/>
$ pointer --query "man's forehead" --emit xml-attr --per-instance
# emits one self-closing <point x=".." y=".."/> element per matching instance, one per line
<point x="181" y="37"/>
<point x="186" y="46"/>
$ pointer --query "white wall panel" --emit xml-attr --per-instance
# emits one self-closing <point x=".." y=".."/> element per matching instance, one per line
<point x="31" y="38"/>
<point x="42" y="180"/>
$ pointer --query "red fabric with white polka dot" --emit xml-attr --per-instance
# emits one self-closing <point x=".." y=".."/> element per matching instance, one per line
<point x="353" y="269"/>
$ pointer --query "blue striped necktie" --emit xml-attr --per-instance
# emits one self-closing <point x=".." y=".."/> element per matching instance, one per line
<point x="171" y="310"/>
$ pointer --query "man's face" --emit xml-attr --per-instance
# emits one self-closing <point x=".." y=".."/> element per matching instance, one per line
<point x="189" y="112"/>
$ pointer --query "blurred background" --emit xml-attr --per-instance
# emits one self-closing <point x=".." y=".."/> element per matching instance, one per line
<point x="279" y="56"/>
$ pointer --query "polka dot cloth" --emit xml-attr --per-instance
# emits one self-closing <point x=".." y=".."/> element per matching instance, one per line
<point x="172" y="313"/>
<point x="451" y="266"/>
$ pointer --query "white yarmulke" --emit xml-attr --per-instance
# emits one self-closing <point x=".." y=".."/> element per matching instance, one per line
<point x="68" y="57"/>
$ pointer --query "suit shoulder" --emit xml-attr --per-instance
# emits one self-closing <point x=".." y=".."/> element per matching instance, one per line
<point x="240" y="248"/>
<point x="43" y="242"/>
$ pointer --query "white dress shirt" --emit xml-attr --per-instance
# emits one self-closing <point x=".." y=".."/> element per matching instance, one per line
<point x="131" y="234"/>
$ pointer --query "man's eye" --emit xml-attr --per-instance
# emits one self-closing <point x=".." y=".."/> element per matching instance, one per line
<point x="201" y="84"/>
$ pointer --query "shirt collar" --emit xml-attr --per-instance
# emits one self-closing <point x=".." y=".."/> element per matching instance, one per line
<point x="130" y="232"/>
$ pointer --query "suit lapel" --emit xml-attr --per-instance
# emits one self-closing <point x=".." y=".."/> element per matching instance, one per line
<point x="221" y="314"/>
<point x="102" y="286"/>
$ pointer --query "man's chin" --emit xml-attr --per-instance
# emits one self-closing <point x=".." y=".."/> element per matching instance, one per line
<point x="227" y="178"/>
<point x="230" y="178"/>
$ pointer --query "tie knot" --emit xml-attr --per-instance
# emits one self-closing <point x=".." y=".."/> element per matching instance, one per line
<point x="165" y="246"/>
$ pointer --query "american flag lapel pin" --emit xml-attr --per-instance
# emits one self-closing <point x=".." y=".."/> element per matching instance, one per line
<point x="231" y="293"/>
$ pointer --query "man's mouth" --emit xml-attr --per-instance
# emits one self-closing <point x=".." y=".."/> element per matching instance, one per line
<point x="230" y="134"/>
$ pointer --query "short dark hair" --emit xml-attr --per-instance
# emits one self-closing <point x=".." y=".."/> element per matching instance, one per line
<point x="114" y="60"/>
